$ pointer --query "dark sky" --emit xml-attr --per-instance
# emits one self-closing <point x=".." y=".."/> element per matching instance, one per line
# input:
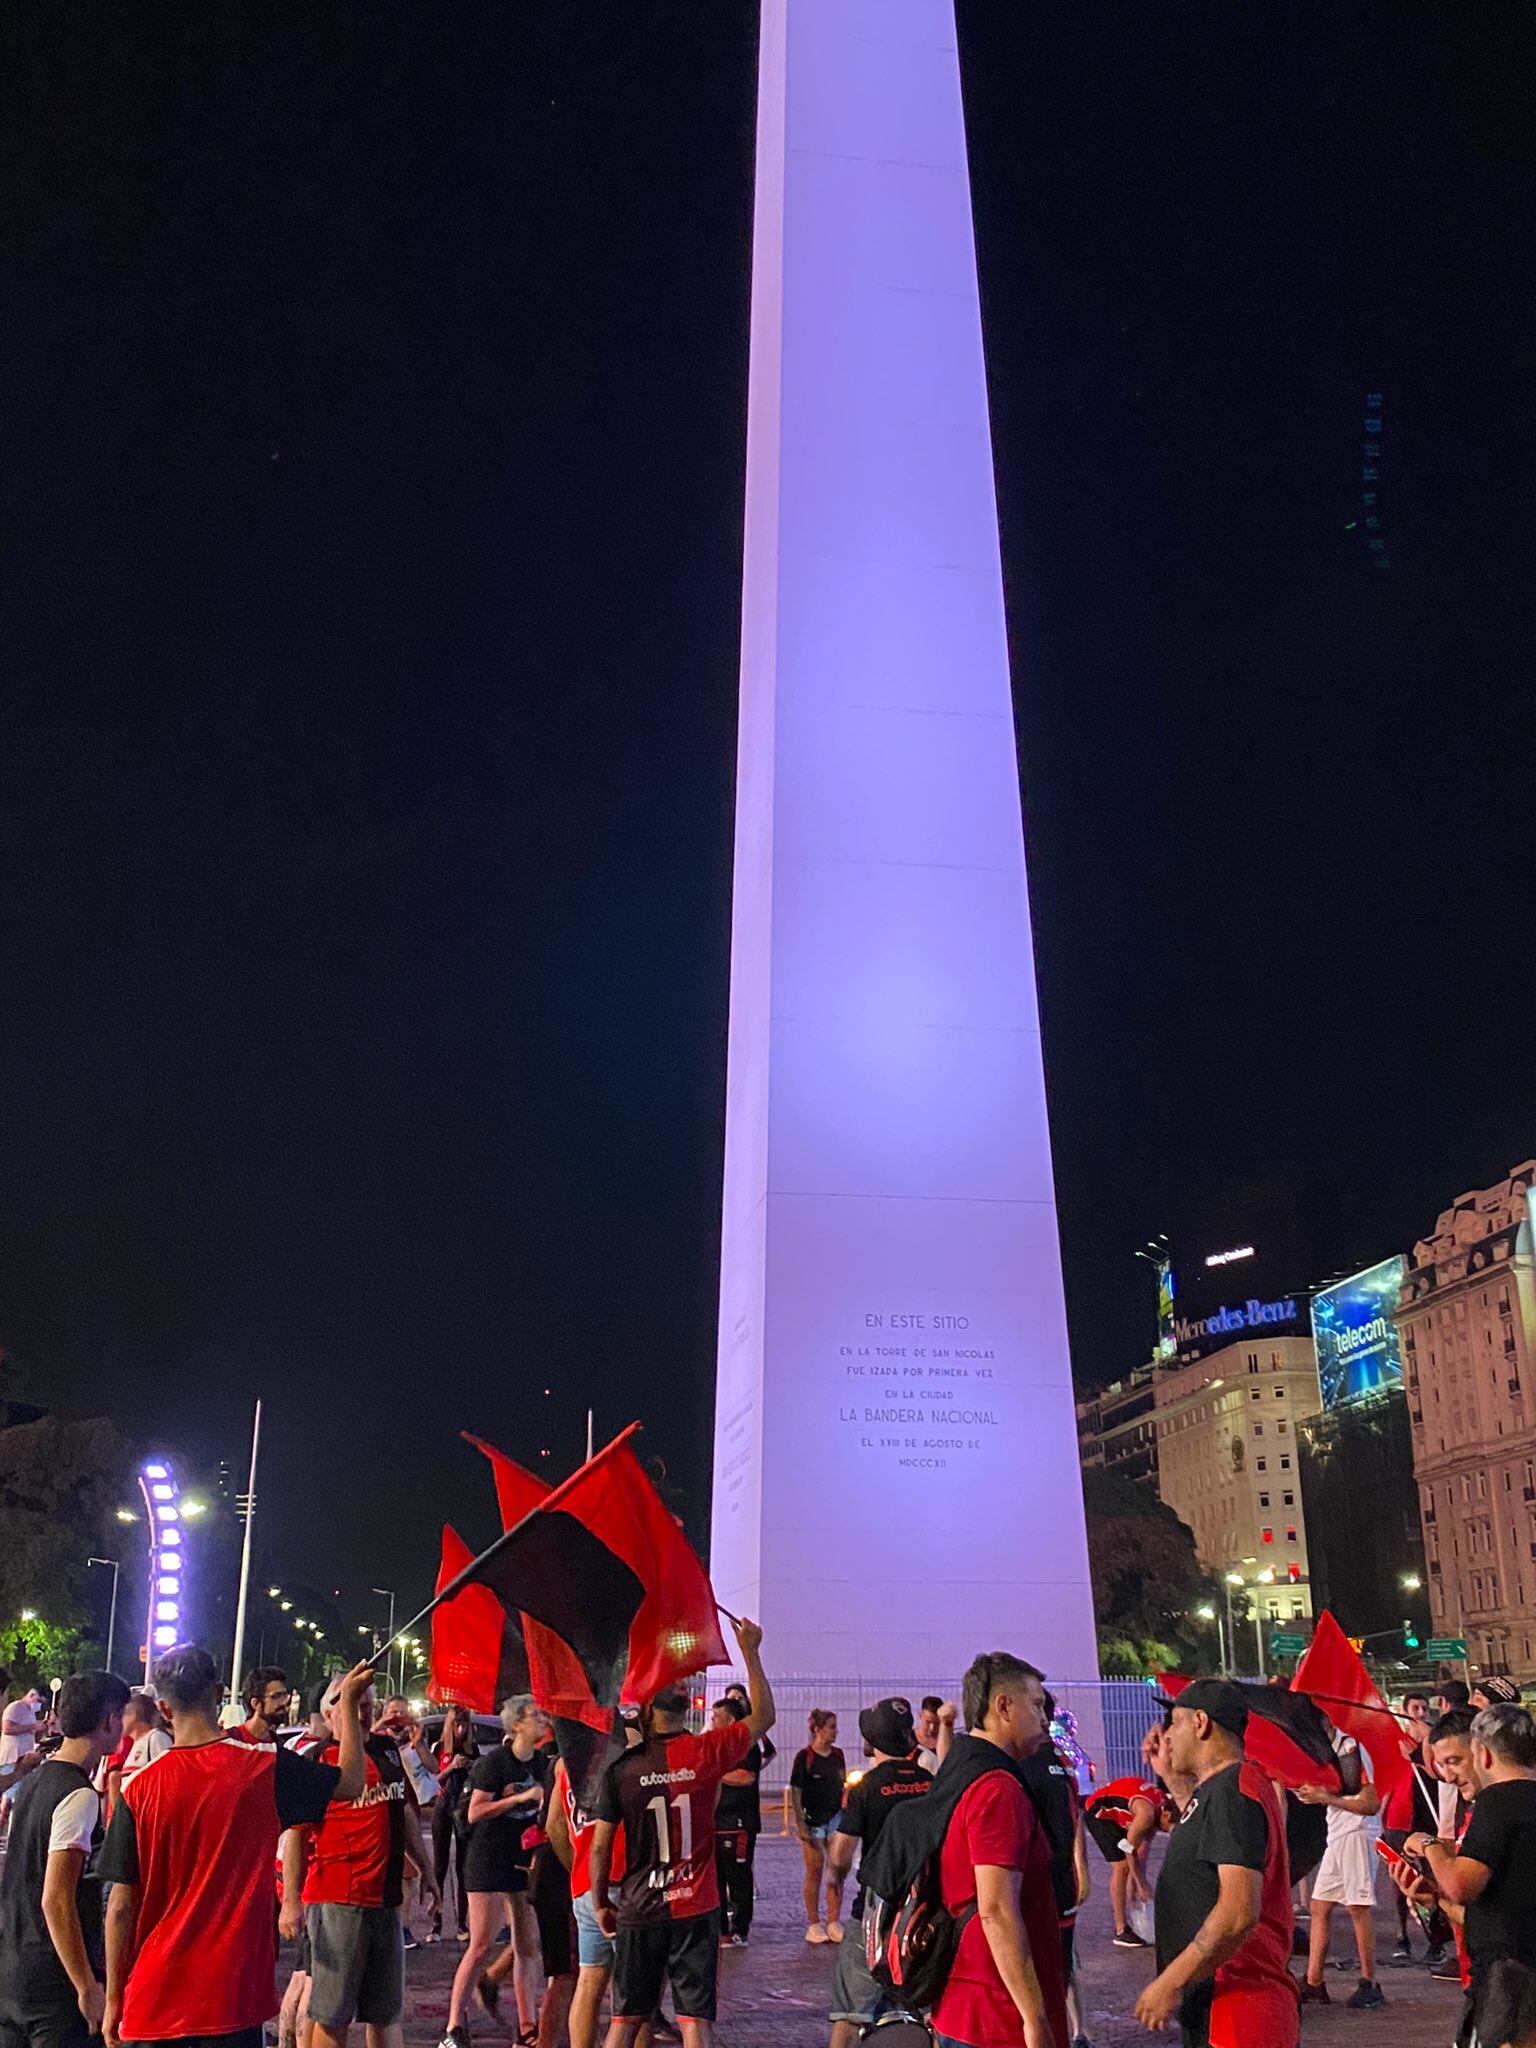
<point x="375" y="382"/>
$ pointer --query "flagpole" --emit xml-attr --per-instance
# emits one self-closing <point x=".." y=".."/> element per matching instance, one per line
<point x="552" y="1499"/>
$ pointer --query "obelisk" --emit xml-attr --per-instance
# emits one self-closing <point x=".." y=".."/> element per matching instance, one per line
<point x="896" y="1471"/>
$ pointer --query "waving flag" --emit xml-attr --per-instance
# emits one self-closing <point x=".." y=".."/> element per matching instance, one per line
<point x="468" y="1666"/>
<point x="614" y="1604"/>
<point x="1333" y="1673"/>
<point x="1287" y="1736"/>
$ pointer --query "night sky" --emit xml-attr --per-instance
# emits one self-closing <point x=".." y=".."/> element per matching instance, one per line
<point x="376" y="382"/>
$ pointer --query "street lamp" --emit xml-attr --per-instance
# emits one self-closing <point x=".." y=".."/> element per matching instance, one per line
<point x="112" y="1610"/>
<point x="29" y="1614"/>
<point x="384" y="1593"/>
<point x="1230" y="1579"/>
<point x="1410" y="1582"/>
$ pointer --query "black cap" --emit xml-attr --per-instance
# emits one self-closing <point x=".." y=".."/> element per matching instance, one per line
<point x="1222" y="1701"/>
<point x="1499" y="1691"/>
<point x="887" y="1725"/>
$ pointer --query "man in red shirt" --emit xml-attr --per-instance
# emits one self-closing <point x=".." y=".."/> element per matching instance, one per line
<point x="1006" y="1982"/>
<point x="191" y="1946"/>
<point x="665" y="1793"/>
<point x="354" y="1885"/>
<point x="1224" y="1893"/>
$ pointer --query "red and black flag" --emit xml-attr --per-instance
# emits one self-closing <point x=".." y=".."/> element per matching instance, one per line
<point x="600" y="1564"/>
<point x="1288" y="1737"/>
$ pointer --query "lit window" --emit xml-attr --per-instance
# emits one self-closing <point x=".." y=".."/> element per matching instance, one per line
<point x="1290" y="1535"/>
<point x="164" y="1637"/>
<point x="1266" y="1535"/>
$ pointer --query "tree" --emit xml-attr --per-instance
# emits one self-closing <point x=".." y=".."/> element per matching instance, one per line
<point x="1147" y="1580"/>
<point x="60" y="1483"/>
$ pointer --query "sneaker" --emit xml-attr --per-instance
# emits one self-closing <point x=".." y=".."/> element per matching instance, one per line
<point x="1314" y="1994"/>
<point x="488" y="1991"/>
<point x="738" y="1941"/>
<point x="1127" y="1937"/>
<point x="456" y="2037"/>
<point x="1447" y="1970"/>
<point x="410" y="1941"/>
<point x="463" y="1936"/>
<point x="1081" y="2041"/>
<point x="1402" y="1953"/>
<point x="1368" y="1993"/>
<point x="1435" y="1957"/>
<point x="834" y="1930"/>
<point x="816" y="1934"/>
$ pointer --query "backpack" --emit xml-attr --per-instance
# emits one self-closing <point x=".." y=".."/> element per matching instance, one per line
<point x="910" y="1935"/>
<point x="910" y="1943"/>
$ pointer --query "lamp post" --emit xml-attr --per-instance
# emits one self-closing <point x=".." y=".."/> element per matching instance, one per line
<point x="112" y="1610"/>
<point x="384" y="1593"/>
<point x="1229" y="1580"/>
<point x="1208" y="1613"/>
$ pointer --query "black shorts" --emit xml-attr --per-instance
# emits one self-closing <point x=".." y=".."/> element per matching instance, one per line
<point x="685" y="1953"/>
<point x="245" y="2037"/>
<point x="1108" y="1834"/>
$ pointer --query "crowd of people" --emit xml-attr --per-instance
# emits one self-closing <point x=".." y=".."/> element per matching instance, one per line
<point x="156" y="1859"/>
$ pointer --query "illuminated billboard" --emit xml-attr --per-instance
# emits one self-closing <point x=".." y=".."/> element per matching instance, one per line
<point x="1355" y="1336"/>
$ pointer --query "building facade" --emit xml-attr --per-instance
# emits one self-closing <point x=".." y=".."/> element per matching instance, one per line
<point x="1117" y="1429"/>
<point x="1228" y="1464"/>
<point x="1466" y="1319"/>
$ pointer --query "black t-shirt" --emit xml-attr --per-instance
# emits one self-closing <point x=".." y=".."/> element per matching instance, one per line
<point x="1502" y="1834"/>
<point x="53" y="1808"/>
<point x="496" y="1845"/>
<point x="741" y="1806"/>
<point x="1050" y="1783"/>
<point x="819" y="1780"/>
<point x="868" y="1805"/>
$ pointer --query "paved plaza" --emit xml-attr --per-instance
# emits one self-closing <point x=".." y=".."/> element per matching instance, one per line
<point x="774" y="1994"/>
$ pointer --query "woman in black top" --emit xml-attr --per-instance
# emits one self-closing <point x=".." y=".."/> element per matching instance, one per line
<point x="506" y="1797"/>
<point x="457" y="1749"/>
<point x="816" y="1789"/>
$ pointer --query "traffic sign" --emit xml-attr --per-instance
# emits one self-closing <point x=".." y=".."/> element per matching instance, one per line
<point x="1446" y="1649"/>
<point x="1287" y="1646"/>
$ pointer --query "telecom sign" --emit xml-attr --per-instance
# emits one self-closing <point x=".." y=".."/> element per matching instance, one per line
<point x="1355" y="1336"/>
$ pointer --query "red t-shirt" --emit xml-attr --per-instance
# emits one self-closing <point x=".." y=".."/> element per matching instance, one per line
<point x="583" y="1825"/>
<point x="197" y="1836"/>
<point x="665" y="1793"/>
<point x="357" y="1856"/>
<point x="996" y="1823"/>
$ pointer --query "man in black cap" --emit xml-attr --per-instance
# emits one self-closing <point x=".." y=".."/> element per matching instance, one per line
<point x="895" y="1775"/>
<point x="1223" y="1897"/>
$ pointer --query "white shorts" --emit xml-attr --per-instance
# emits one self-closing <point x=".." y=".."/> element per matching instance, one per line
<point x="1347" y="1874"/>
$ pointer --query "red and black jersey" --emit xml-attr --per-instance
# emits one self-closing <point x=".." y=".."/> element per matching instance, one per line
<point x="357" y="1854"/>
<point x="665" y="1794"/>
<point x="1112" y="1802"/>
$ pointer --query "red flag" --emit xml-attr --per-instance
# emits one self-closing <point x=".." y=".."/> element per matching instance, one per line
<point x="677" y="1630"/>
<point x="516" y="1490"/>
<point x="466" y="1636"/>
<point x="1333" y="1673"/>
<point x="1286" y="1737"/>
